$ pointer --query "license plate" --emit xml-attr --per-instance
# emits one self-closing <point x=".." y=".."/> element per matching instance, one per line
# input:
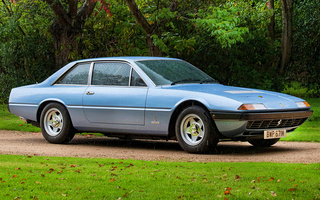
<point x="272" y="134"/>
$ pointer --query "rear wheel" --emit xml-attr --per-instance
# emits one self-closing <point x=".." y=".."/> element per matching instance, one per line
<point x="263" y="143"/>
<point x="195" y="130"/>
<point x="56" y="124"/>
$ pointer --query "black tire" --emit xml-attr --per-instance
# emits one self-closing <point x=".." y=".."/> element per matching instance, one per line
<point x="263" y="143"/>
<point x="56" y="124"/>
<point x="196" y="131"/>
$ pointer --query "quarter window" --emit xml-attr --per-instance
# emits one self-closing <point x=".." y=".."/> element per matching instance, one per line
<point x="136" y="80"/>
<point x="111" y="74"/>
<point x="78" y="75"/>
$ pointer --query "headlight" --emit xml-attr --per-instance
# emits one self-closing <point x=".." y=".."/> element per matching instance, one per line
<point x="255" y="106"/>
<point x="303" y="104"/>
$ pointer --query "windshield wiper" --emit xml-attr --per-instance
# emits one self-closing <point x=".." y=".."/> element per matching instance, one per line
<point x="208" y="80"/>
<point x="184" y="80"/>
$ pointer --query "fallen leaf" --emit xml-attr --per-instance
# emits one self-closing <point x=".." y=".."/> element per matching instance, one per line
<point x="111" y="180"/>
<point x="271" y="179"/>
<point x="273" y="194"/>
<point x="130" y="165"/>
<point x="227" y="192"/>
<point x="237" y="177"/>
<point x="292" y="189"/>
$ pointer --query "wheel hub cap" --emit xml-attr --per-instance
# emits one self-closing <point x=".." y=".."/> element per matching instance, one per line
<point x="195" y="129"/>
<point x="56" y="122"/>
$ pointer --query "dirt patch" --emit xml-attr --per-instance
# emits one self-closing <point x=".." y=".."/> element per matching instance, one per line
<point x="22" y="143"/>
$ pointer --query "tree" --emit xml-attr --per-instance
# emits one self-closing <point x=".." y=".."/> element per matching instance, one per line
<point x="272" y="20"/>
<point x="286" y="47"/>
<point x="67" y="26"/>
<point x="150" y="29"/>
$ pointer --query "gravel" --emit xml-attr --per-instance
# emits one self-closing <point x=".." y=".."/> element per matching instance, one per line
<point x="24" y="143"/>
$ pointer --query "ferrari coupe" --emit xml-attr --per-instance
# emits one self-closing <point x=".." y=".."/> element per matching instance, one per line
<point x="155" y="98"/>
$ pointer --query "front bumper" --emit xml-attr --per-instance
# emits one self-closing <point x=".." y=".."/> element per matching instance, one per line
<point x="238" y="124"/>
<point x="248" y="116"/>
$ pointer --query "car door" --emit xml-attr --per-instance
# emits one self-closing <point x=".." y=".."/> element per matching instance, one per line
<point x="117" y="95"/>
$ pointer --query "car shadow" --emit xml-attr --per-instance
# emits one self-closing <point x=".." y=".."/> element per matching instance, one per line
<point x="223" y="148"/>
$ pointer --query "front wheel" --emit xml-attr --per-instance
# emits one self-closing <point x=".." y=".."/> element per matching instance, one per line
<point x="195" y="130"/>
<point x="56" y="124"/>
<point x="263" y="143"/>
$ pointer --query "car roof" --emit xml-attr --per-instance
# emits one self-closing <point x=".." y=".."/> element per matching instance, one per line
<point x="126" y="58"/>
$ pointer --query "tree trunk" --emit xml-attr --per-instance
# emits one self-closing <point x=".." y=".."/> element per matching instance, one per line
<point x="286" y="48"/>
<point x="272" y="20"/>
<point x="153" y="49"/>
<point x="149" y="29"/>
<point x="64" y="43"/>
<point x="67" y="26"/>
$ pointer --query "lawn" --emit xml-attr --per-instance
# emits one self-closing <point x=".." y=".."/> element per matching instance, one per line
<point x="35" y="177"/>
<point x="310" y="130"/>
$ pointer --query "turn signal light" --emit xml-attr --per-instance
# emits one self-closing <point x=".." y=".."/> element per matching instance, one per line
<point x="246" y="107"/>
<point x="255" y="106"/>
<point x="303" y="104"/>
<point x="307" y="104"/>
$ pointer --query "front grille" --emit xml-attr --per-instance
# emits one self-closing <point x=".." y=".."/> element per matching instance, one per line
<point x="275" y="123"/>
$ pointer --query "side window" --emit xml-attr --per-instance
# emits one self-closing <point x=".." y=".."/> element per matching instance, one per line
<point x="111" y="74"/>
<point x="78" y="75"/>
<point x="136" y="80"/>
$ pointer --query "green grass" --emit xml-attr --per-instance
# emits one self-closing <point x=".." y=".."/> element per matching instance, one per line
<point x="33" y="177"/>
<point x="9" y="121"/>
<point x="309" y="131"/>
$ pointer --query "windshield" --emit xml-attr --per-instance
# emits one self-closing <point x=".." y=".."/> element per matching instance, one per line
<point x="166" y="72"/>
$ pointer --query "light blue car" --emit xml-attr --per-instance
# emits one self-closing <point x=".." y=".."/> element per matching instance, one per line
<point x="150" y="97"/>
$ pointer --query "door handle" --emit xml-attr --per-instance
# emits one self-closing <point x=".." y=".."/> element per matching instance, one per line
<point x="90" y="93"/>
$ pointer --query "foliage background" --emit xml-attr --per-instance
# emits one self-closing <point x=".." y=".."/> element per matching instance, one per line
<point x="227" y="39"/>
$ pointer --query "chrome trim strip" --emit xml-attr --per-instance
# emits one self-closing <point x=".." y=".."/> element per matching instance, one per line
<point x="90" y="74"/>
<point x="130" y="76"/>
<point x="159" y="109"/>
<point x="120" y="108"/>
<point x="111" y="108"/>
<point x="23" y="104"/>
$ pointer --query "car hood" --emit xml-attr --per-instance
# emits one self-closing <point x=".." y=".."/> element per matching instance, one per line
<point x="272" y="100"/>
